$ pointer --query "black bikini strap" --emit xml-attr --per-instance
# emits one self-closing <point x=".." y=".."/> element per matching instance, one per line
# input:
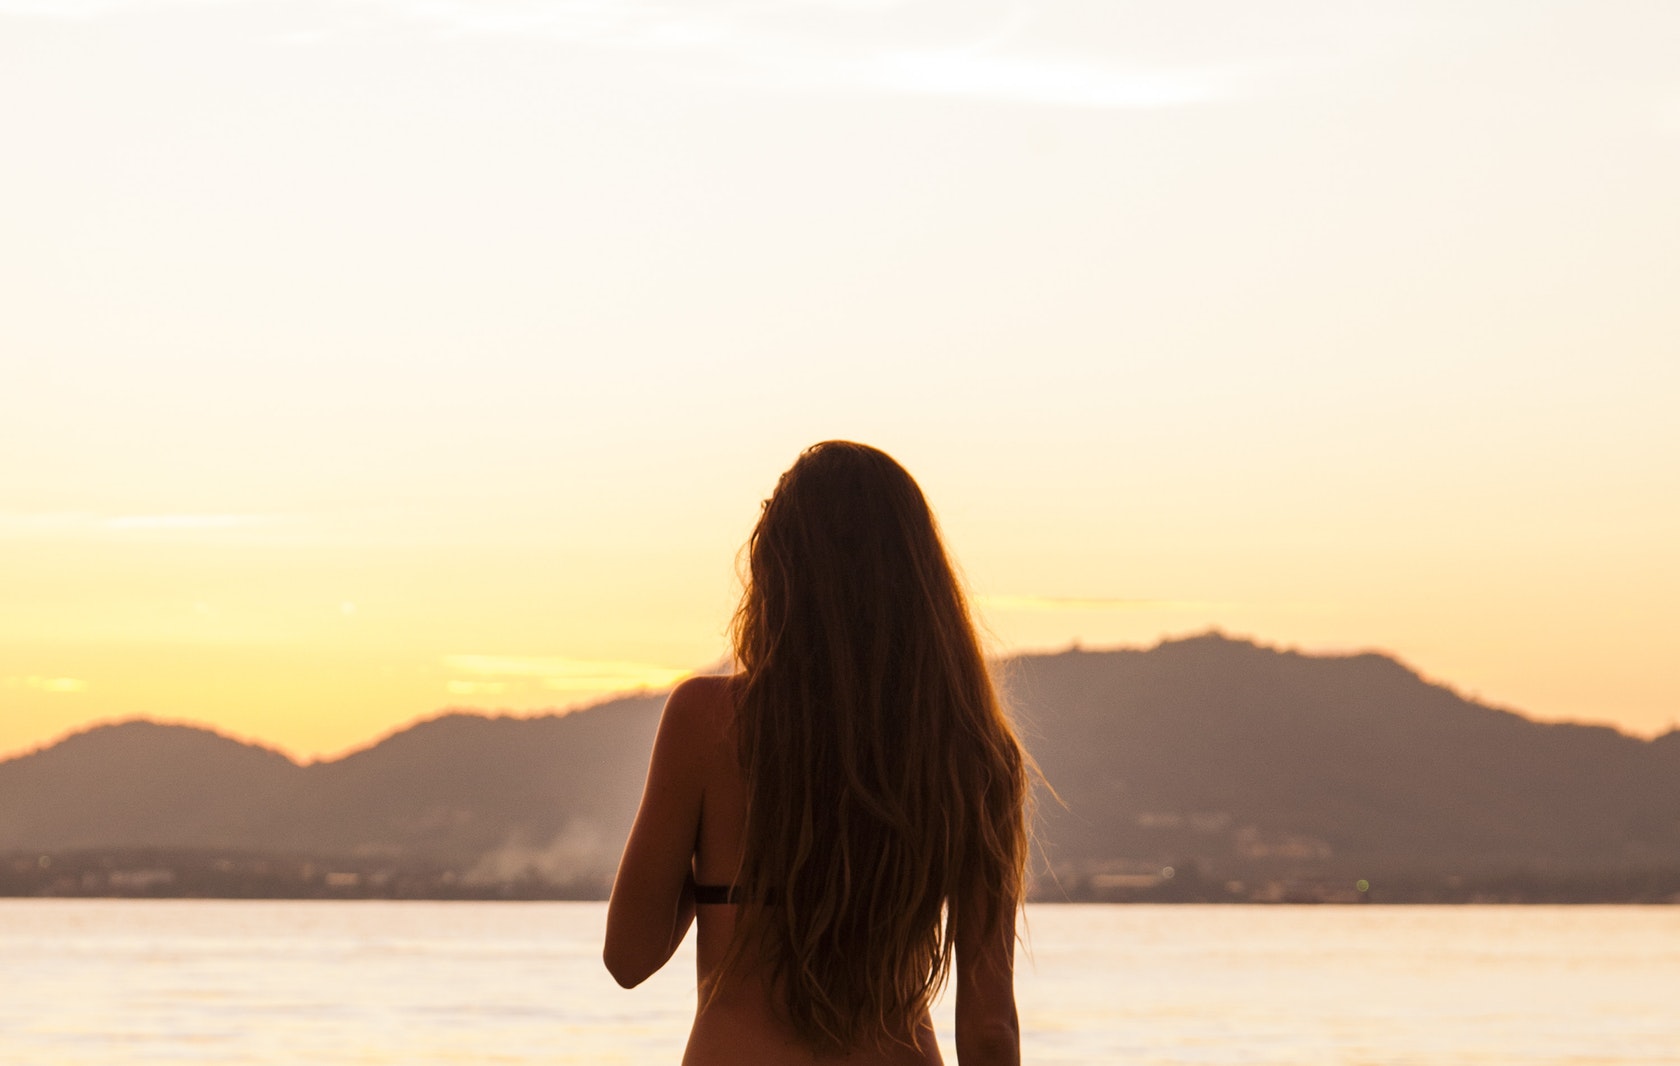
<point x="716" y="894"/>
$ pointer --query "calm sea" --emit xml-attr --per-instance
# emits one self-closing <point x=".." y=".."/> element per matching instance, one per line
<point x="116" y="981"/>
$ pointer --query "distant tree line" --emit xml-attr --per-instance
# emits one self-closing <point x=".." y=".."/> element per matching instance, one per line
<point x="161" y="873"/>
<point x="1189" y="882"/>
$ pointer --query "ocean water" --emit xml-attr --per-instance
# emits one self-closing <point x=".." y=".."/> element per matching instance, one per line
<point x="127" y="981"/>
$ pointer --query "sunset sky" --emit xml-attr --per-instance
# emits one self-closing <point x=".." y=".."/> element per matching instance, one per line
<point x="364" y="358"/>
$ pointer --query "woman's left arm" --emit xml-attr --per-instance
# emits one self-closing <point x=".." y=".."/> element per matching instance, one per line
<point x="653" y="895"/>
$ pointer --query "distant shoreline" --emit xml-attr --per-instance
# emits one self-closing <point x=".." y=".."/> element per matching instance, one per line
<point x="167" y="873"/>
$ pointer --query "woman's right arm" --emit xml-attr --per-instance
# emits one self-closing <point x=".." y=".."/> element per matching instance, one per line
<point x="988" y="1028"/>
<point x="652" y="902"/>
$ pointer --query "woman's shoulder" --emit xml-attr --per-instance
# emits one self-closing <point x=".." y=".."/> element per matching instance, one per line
<point x="703" y="704"/>
<point x="710" y="690"/>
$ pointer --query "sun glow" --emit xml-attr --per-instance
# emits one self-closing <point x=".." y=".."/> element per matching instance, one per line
<point x="364" y="360"/>
<point x="54" y="685"/>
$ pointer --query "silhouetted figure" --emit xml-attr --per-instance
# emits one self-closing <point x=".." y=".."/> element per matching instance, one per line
<point x="846" y="813"/>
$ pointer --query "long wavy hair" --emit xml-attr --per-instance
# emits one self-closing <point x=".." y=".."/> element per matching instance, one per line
<point x="886" y="789"/>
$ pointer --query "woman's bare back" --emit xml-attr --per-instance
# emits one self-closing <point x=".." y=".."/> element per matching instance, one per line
<point x="738" y="1023"/>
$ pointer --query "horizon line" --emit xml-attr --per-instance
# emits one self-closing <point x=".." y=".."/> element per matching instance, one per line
<point x="1074" y="646"/>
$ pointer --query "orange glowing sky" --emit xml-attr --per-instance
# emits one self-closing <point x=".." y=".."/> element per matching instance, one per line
<point x="363" y="359"/>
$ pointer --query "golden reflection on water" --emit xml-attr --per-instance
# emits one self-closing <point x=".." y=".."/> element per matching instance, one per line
<point x="109" y="982"/>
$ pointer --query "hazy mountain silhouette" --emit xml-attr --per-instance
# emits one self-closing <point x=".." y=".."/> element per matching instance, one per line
<point x="493" y="796"/>
<point x="143" y="782"/>
<point x="1217" y="748"/>
<point x="1237" y="756"/>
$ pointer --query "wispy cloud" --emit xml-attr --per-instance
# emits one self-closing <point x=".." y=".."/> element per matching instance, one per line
<point x="1034" y="80"/>
<point x="970" y="54"/>
<point x="926" y="48"/>
<point x="1093" y="603"/>
<point x="64" y="9"/>
<point x="476" y="688"/>
<point x="45" y="523"/>
<point x="57" y="523"/>
<point x="557" y="674"/>
<point x="184" y="521"/>
<point x="54" y="685"/>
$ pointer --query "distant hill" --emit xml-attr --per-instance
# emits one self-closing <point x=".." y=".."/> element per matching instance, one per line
<point x="1243" y="760"/>
<point x="143" y="782"/>
<point x="494" y="797"/>
<point x="1235" y="754"/>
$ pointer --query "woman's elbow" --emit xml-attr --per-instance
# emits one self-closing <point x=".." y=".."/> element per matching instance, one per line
<point x="627" y="956"/>
<point x="624" y="970"/>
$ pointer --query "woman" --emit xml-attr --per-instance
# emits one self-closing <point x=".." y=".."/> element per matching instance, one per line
<point x="844" y="817"/>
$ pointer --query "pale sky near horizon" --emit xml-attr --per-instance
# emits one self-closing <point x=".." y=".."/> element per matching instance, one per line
<point x="366" y="358"/>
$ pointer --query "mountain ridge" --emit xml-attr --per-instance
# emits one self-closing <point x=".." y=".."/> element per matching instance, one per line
<point x="1210" y="752"/>
<point x="1388" y="659"/>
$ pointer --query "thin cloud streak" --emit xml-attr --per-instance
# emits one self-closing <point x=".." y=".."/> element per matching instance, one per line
<point x="1040" y="81"/>
<point x="983" y="61"/>
<point x="57" y="523"/>
<point x="476" y="688"/>
<point x="55" y="685"/>
<point x="70" y="10"/>
<point x="1095" y="603"/>
<point x="559" y="674"/>
<point x="38" y="523"/>
<point x="990" y="66"/>
<point x="185" y="521"/>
